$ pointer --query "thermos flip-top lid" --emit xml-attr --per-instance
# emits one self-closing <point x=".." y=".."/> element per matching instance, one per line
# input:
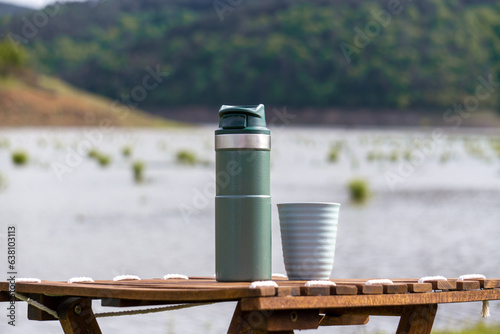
<point x="242" y="119"/>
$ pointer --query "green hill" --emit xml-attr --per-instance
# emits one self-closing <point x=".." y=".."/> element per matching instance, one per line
<point x="419" y="55"/>
<point x="30" y="100"/>
<point x="8" y="9"/>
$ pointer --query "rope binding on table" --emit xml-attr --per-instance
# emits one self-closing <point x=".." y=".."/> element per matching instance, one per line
<point x="126" y="278"/>
<point x="432" y="278"/>
<point x="36" y="304"/>
<point x="81" y="280"/>
<point x="320" y="283"/>
<point x="53" y="313"/>
<point x="149" y="310"/>
<point x="471" y="276"/>
<point x="28" y="280"/>
<point x="263" y="284"/>
<point x="175" y="276"/>
<point x="485" y="310"/>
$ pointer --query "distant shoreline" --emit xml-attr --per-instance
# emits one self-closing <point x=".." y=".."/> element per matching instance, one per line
<point x="345" y="118"/>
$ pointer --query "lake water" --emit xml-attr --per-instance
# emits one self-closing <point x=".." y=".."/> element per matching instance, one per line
<point x="434" y="210"/>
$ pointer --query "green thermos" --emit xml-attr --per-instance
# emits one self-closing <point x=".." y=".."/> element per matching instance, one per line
<point x="242" y="197"/>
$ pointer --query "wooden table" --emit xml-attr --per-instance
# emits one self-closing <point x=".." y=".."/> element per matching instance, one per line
<point x="261" y="310"/>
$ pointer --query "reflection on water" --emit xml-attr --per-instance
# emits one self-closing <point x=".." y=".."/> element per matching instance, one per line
<point x="434" y="210"/>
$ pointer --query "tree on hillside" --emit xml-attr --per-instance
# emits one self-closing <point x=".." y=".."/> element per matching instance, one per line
<point x="423" y="55"/>
<point x="12" y="58"/>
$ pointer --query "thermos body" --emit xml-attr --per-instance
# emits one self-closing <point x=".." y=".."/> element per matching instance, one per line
<point x="243" y="198"/>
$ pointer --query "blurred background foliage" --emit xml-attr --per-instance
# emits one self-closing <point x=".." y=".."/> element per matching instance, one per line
<point x="12" y="59"/>
<point x="282" y="52"/>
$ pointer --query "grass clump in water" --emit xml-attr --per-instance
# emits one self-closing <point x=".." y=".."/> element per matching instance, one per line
<point x="445" y="157"/>
<point x="186" y="157"/>
<point x="394" y="156"/>
<point x="103" y="159"/>
<point x="93" y="154"/>
<point x="20" y="158"/>
<point x="407" y="155"/>
<point x="373" y="156"/>
<point x="495" y="145"/>
<point x="3" y="182"/>
<point x="138" y="169"/>
<point x="359" y="190"/>
<point x="334" y="154"/>
<point x="127" y="151"/>
<point x="4" y="143"/>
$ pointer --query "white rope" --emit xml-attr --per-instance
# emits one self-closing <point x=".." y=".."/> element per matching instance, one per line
<point x="28" y="280"/>
<point x="148" y="310"/>
<point x="471" y="276"/>
<point x="432" y="278"/>
<point x="320" y="283"/>
<point x="36" y="304"/>
<point x="263" y="284"/>
<point x="279" y="275"/>
<point x="109" y="314"/>
<point x="81" y="280"/>
<point x="485" y="310"/>
<point x="379" y="281"/>
<point x="175" y="276"/>
<point x="126" y="277"/>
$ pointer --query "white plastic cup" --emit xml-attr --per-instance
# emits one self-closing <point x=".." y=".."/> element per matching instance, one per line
<point x="308" y="238"/>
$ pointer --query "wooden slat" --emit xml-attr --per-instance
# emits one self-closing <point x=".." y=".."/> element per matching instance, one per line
<point x="436" y="284"/>
<point x="484" y="283"/>
<point x="199" y="284"/>
<point x="288" y="291"/>
<point x="362" y="287"/>
<point x="175" y="284"/>
<point x="324" y="302"/>
<point x="395" y="288"/>
<point x="419" y="287"/>
<point x="344" y="290"/>
<point x="137" y="293"/>
<point x="468" y="285"/>
<point x="450" y="284"/>
<point x="443" y="285"/>
<point x="314" y="290"/>
<point x="370" y="289"/>
<point x="413" y="286"/>
<point x="490" y="283"/>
